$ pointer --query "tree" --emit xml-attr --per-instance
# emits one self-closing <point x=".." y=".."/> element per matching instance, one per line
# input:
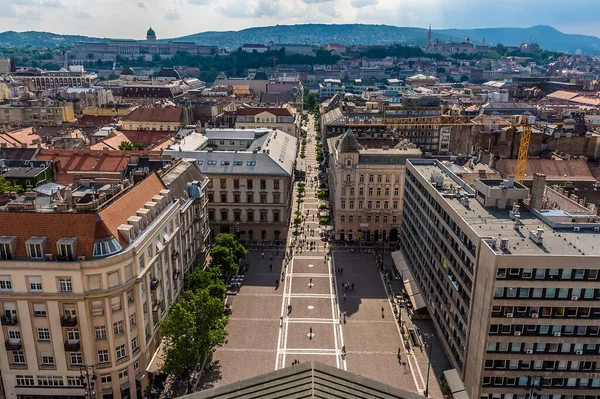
<point x="6" y="187"/>
<point x="206" y="280"/>
<point x="223" y="259"/>
<point x="229" y="241"/>
<point x="194" y="327"/>
<point x="125" y="146"/>
<point x="322" y="195"/>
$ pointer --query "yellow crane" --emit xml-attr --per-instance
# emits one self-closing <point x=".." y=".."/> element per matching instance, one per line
<point x="447" y="120"/>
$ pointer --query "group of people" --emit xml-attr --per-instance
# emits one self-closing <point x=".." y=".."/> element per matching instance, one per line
<point x="348" y="286"/>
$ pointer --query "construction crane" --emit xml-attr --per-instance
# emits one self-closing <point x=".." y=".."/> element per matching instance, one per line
<point x="462" y="120"/>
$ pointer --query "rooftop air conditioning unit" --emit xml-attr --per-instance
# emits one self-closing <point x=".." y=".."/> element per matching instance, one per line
<point x="535" y="315"/>
<point x="509" y="315"/>
<point x="557" y="334"/>
<point x="596" y="228"/>
<point x="574" y="298"/>
<point x="579" y="352"/>
<point x="576" y="229"/>
<point x="517" y="333"/>
<point x="504" y="244"/>
<point x="529" y="351"/>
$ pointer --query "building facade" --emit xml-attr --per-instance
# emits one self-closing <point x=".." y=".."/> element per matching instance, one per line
<point x="366" y="188"/>
<point x="36" y="113"/>
<point x="37" y="79"/>
<point x="250" y="188"/>
<point x="512" y="290"/>
<point x="272" y="118"/>
<point x="154" y="118"/>
<point x="85" y="281"/>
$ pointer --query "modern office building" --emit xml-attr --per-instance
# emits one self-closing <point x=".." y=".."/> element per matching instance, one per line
<point x="366" y="188"/>
<point x="86" y="276"/>
<point x="512" y="288"/>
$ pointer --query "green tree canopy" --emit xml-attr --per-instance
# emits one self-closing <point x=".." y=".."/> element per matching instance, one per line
<point x="206" y="280"/>
<point x="6" y="187"/>
<point x="125" y="146"/>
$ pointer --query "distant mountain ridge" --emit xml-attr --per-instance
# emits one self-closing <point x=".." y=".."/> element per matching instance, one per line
<point x="546" y="36"/>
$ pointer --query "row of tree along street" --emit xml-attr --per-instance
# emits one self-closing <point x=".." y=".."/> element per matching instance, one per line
<point x="196" y="323"/>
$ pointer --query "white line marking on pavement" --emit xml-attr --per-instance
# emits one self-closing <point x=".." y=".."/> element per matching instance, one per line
<point x="336" y="309"/>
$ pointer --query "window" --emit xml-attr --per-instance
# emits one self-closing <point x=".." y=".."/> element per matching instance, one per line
<point x="396" y="191"/>
<point x="39" y="310"/>
<point x="223" y="197"/>
<point x="73" y="381"/>
<point x="136" y="365"/>
<point x="47" y="359"/>
<point x="43" y="334"/>
<point x="134" y="344"/>
<point x="106" y="379"/>
<point x="100" y="332"/>
<point x="276" y="184"/>
<point x="236" y="184"/>
<point x="50" y="381"/>
<point x="343" y="206"/>
<point x="378" y="191"/>
<point x="73" y="334"/>
<point x="118" y="327"/>
<point x="35" y="247"/>
<point x="276" y="216"/>
<point x="65" y="285"/>
<point x="123" y="374"/>
<point x="250" y="216"/>
<point x="76" y="358"/>
<point x="276" y="198"/>
<point x="7" y="245"/>
<point x="263" y="198"/>
<point x="263" y="216"/>
<point x="263" y="184"/>
<point x="378" y="178"/>
<point x="121" y="351"/>
<point x="370" y="191"/>
<point x="25" y="380"/>
<point x="223" y="184"/>
<point x="249" y="181"/>
<point x="18" y="357"/>
<point x="66" y="247"/>
<point x="5" y="283"/>
<point x="14" y="334"/>
<point x="97" y="308"/>
<point x="362" y="179"/>
<point x="103" y="356"/>
<point x="250" y="198"/>
<point x="35" y="284"/>
<point x="132" y="320"/>
<point x="115" y="303"/>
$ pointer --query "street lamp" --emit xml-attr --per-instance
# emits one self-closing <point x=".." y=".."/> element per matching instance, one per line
<point x="87" y="377"/>
<point x="533" y="384"/>
<point x="428" y="342"/>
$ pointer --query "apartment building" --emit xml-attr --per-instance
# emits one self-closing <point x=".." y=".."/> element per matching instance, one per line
<point x="37" y="113"/>
<point x="283" y="119"/>
<point x="86" y="277"/>
<point x="366" y="188"/>
<point x="161" y="119"/>
<point x="512" y="289"/>
<point x="250" y="181"/>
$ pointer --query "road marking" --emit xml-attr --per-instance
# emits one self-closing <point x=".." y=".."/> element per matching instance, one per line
<point x="310" y="307"/>
<point x="310" y="320"/>
<point x="316" y="296"/>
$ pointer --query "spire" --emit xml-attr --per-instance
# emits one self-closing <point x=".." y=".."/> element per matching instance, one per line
<point x="429" y="36"/>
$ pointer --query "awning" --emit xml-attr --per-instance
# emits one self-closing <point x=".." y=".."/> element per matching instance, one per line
<point x="125" y="386"/>
<point x="410" y="285"/>
<point x="107" y="391"/>
<point x="158" y="360"/>
<point x="454" y="382"/>
<point x="139" y="377"/>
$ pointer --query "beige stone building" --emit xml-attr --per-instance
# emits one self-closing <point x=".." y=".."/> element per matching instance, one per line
<point x="37" y="113"/>
<point x="283" y="119"/>
<point x="366" y="188"/>
<point x="85" y="280"/>
<point x="154" y="118"/>
<point x="250" y="183"/>
<point x="512" y="289"/>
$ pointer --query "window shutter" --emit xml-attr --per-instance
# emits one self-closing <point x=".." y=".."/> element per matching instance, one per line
<point x="94" y="282"/>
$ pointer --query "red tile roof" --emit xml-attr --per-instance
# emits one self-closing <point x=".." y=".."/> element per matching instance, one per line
<point x="96" y="120"/>
<point x="256" y="111"/>
<point x="126" y="205"/>
<point x="149" y="138"/>
<point x="53" y="226"/>
<point x="155" y="115"/>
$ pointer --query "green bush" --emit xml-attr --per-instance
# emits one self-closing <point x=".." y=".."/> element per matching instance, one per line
<point x="322" y="207"/>
<point x="323" y="221"/>
<point x="322" y="195"/>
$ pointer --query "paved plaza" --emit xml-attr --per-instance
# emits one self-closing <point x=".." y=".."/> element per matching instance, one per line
<point x="264" y="335"/>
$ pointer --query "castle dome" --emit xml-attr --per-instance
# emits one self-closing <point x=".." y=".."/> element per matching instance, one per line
<point x="151" y="33"/>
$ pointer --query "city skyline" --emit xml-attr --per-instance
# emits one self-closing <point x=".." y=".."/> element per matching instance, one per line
<point x="183" y="17"/>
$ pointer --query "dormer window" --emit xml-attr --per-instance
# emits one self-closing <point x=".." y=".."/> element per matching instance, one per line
<point x="349" y="162"/>
<point x="7" y="247"/>
<point x="66" y="248"/>
<point x="36" y="247"/>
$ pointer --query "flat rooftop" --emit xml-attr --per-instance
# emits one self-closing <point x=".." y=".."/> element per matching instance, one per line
<point x="494" y="222"/>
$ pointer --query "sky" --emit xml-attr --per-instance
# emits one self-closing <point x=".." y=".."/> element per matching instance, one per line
<point x="174" y="18"/>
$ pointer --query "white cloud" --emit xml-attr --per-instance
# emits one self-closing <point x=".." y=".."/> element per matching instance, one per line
<point x="140" y="4"/>
<point x="52" y="4"/>
<point x="199" y="2"/>
<point x="172" y="15"/>
<point x="81" y="14"/>
<point x="316" y="1"/>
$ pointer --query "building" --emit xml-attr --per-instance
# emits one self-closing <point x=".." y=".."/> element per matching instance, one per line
<point x="37" y="113"/>
<point x="309" y="380"/>
<point x="366" y="188"/>
<point x="86" y="278"/>
<point x="250" y="188"/>
<point x="20" y="138"/>
<point x="155" y="118"/>
<point x="26" y="174"/>
<point x="133" y="48"/>
<point x="330" y="87"/>
<point x="254" y="48"/>
<point x="301" y="49"/>
<point x="283" y="119"/>
<point x="511" y="289"/>
<point x="7" y="65"/>
<point x="420" y="80"/>
<point x="38" y="79"/>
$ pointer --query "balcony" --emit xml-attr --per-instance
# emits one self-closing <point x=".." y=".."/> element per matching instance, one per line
<point x="68" y="321"/>
<point x="154" y="284"/>
<point x="156" y="306"/>
<point x="13" y="344"/>
<point x="72" y="346"/>
<point x="9" y="320"/>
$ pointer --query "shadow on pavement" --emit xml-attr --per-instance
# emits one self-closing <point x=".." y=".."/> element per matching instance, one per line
<point x="211" y="377"/>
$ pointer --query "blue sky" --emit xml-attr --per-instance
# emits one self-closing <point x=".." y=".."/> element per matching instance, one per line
<point x="172" y="18"/>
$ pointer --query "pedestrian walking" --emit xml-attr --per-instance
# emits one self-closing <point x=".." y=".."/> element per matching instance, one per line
<point x="281" y="321"/>
<point x="342" y="271"/>
<point x="344" y="297"/>
<point x="352" y="287"/>
<point x="271" y="257"/>
<point x="310" y="334"/>
<point x="271" y="267"/>
<point x="263" y="255"/>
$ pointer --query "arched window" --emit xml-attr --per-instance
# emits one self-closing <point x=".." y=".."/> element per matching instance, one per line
<point x="347" y="177"/>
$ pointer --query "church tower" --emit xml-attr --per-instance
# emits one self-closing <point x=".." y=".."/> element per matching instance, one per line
<point x="429" y="37"/>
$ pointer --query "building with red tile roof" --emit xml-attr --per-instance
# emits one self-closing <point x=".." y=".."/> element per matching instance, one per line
<point x="154" y="118"/>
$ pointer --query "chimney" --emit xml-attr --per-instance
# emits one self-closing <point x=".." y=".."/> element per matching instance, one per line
<point x="510" y="182"/>
<point x="69" y="197"/>
<point x="538" y="189"/>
